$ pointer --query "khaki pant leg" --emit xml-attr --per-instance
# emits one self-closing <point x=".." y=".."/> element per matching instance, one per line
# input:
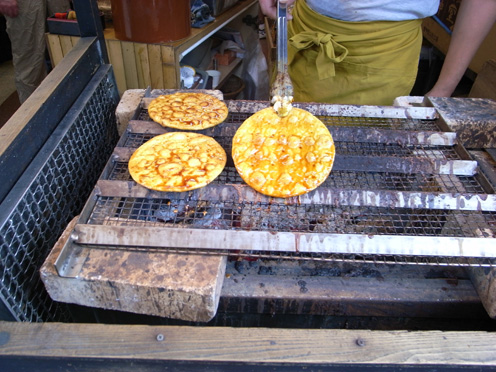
<point x="27" y="36"/>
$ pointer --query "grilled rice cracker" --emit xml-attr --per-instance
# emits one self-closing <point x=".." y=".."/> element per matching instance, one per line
<point x="177" y="161"/>
<point x="193" y="111"/>
<point x="283" y="157"/>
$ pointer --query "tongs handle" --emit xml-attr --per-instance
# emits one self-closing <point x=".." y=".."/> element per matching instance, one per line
<point x="282" y="37"/>
<point x="282" y="89"/>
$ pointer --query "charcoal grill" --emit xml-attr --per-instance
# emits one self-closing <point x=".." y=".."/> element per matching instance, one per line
<point x="402" y="191"/>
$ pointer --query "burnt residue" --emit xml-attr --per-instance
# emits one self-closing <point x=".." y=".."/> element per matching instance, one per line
<point x="291" y="268"/>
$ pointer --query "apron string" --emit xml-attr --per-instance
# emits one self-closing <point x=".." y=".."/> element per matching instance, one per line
<point x="329" y="51"/>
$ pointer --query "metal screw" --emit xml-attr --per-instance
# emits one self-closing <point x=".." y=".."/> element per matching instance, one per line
<point x="160" y="337"/>
<point x="360" y="341"/>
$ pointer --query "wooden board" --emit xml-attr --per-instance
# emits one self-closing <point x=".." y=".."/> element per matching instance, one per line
<point x="247" y="345"/>
<point x="178" y="286"/>
<point x="473" y="119"/>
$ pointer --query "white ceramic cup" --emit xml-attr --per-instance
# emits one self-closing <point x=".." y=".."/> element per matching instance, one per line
<point x="215" y="77"/>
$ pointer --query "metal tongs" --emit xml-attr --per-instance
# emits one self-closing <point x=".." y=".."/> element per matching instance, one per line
<point x="282" y="88"/>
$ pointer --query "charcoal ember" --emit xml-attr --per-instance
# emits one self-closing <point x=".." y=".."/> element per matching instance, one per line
<point x="212" y="218"/>
<point x="172" y="211"/>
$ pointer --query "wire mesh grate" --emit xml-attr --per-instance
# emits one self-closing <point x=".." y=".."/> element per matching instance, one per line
<point x="322" y="216"/>
<point x="56" y="194"/>
<point x="315" y="218"/>
<point x="419" y="182"/>
<point x="383" y="123"/>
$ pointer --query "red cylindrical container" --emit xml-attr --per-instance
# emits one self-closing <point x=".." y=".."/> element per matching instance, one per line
<point x="151" y="21"/>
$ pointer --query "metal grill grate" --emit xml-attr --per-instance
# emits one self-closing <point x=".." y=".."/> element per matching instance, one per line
<point x="361" y="199"/>
<point x="357" y="180"/>
<point x="292" y="218"/>
<point x="55" y="193"/>
<point x="385" y="123"/>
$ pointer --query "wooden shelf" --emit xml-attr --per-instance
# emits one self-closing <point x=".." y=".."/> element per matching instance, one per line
<point x="140" y="65"/>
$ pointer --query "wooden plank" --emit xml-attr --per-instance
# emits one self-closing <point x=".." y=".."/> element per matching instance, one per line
<point x="130" y="69"/>
<point x="115" y="56"/>
<point x="178" y="286"/>
<point x="74" y="40"/>
<point x="247" y="345"/>
<point x="156" y="71"/>
<point x="54" y="49"/>
<point x="170" y="67"/>
<point x="472" y="119"/>
<point x="66" y="44"/>
<point x="142" y="65"/>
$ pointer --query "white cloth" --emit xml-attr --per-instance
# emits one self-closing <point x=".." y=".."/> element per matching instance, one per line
<point x="375" y="10"/>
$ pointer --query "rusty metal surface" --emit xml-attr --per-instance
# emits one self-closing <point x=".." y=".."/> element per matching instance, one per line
<point x="400" y="187"/>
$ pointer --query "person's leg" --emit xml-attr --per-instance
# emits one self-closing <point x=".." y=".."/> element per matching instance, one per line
<point x="27" y="37"/>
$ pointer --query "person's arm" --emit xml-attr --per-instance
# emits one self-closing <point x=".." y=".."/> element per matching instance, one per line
<point x="473" y="22"/>
<point x="9" y="8"/>
<point x="269" y="7"/>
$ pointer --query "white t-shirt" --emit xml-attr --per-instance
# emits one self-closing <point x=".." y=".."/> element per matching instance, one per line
<point x="375" y="10"/>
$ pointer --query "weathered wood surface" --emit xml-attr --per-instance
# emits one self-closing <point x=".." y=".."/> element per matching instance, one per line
<point x="178" y="286"/>
<point x="473" y="119"/>
<point x="247" y="345"/>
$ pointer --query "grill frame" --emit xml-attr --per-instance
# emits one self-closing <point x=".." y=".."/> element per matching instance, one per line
<point x="457" y="187"/>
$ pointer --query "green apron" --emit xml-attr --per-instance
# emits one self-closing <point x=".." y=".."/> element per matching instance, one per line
<point x="362" y="63"/>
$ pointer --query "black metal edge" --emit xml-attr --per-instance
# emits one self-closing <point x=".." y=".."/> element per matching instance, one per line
<point x="41" y="364"/>
<point x="34" y="168"/>
<point x="90" y="24"/>
<point x="17" y="192"/>
<point x="39" y="127"/>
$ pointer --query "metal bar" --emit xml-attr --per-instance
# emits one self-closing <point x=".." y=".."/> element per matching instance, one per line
<point x="339" y="134"/>
<point x="282" y="38"/>
<point x="145" y="236"/>
<point x="399" y="137"/>
<point x="394" y="112"/>
<point x="404" y="165"/>
<point x="90" y="25"/>
<point x="323" y="195"/>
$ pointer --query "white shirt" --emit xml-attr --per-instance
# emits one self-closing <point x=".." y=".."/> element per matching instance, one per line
<point x="375" y="10"/>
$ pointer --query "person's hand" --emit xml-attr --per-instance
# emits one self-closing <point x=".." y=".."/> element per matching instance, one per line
<point x="9" y="8"/>
<point x="269" y="7"/>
